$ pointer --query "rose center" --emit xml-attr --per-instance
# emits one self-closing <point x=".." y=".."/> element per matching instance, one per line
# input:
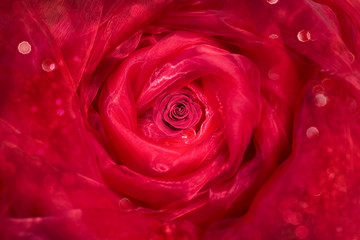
<point x="176" y="111"/>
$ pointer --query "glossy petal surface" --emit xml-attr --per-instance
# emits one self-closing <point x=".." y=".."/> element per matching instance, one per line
<point x="179" y="119"/>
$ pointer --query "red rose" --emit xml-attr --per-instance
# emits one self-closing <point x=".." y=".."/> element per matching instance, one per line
<point x="180" y="119"/>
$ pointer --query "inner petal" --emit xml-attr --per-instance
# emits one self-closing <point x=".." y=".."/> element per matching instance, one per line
<point x="176" y="111"/>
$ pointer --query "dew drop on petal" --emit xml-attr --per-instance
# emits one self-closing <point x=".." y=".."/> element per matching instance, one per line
<point x="272" y="1"/>
<point x="24" y="47"/>
<point x="273" y="75"/>
<point x="273" y="36"/>
<point x="125" y="204"/>
<point x="320" y="100"/>
<point x="312" y="132"/>
<point x="318" y="89"/>
<point x="304" y="36"/>
<point x="48" y="65"/>
<point x="301" y="232"/>
<point x="161" y="168"/>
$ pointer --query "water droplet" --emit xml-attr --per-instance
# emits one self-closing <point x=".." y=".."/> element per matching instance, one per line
<point x="272" y="2"/>
<point x="24" y="47"/>
<point x="304" y="36"/>
<point x="301" y="232"/>
<point x="312" y="132"/>
<point x="48" y="65"/>
<point x="273" y="36"/>
<point x="320" y="100"/>
<point x="60" y="112"/>
<point x="161" y="168"/>
<point x="273" y="75"/>
<point x="68" y="179"/>
<point x="58" y="101"/>
<point x="125" y="204"/>
<point x="318" y="89"/>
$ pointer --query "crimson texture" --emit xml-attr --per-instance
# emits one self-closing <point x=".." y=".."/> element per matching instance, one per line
<point x="179" y="119"/>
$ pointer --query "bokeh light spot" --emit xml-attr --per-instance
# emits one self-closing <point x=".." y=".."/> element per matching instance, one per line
<point x="24" y="47"/>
